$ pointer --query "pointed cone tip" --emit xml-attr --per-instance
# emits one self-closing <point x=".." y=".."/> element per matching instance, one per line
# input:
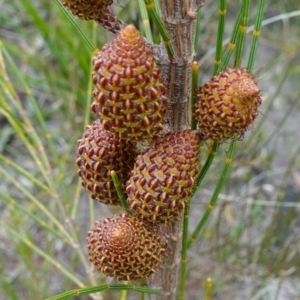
<point x="130" y="30"/>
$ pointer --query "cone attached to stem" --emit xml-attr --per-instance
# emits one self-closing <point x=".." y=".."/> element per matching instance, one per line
<point x="163" y="176"/>
<point x="87" y="9"/>
<point x="129" y="95"/>
<point x="126" y="248"/>
<point x="96" y="10"/>
<point x="227" y="105"/>
<point x="98" y="153"/>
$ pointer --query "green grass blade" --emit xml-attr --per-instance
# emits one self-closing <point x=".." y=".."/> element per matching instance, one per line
<point x="205" y="168"/>
<point x="199" y="179"/>
<point x="8" y="162"/>
<point x="119" y="190"/>
<point x="7" y="288"/>
<point x="91" y="44"/>
<point x="14" y="101"/>
<point x="34" y="145"/>
<point x="243" y="26"/>
<point x="87" y="118"/>
<point x="34" y="151"/>
<point x="256" y="33"/>
<point x="101" y="288"/>
<point x="37" y="111"/>
<point x="43" y="254"/>
<point x="45" y="30"/>
<point x="142" y="294"/>
<point x="220" y="35"/>
<point x="154" y="15"/>
<point x="36" y="141"/>
<point x="157" y="7"/>
<point x="12" y="202"/>
<point x="145" y="20"/>
<point x="197" y="33"/>
<point x="209" y="285"/>
<point x="216" y="193"/>
<point x="194" y="92"/>
<point x="89" y="97"/>
<point x="232" y="44"/>
<point x="38" y="203"/>
<point x="19" y="129"/>
<point x="124" y="293"/>
<point x="184" y="256"/>
<point x="78" y="190"/>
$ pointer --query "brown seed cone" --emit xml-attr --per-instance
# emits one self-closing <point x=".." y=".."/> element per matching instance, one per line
<point x="126" y="248"/>
<point x="163" y="176"/>
<point x="129" y="95"/>
<point x="227" y="105"/>
<point x="110" y="22"/>
<point x="96" y="10"/>
<point x="87" y="9"/>
<point x="99" y="152"/>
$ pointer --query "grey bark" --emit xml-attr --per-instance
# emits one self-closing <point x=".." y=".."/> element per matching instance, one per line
<point x="166" y="279"/>
<point x="179" y="17"/>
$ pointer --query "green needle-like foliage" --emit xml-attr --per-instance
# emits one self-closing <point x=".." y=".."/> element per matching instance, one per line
<point x="184" y="250"/>
<point x="232" y="44"/>
<point x="44" y="255"/>
<point x="256" y="33"/>
<point x="212" y="153"/>
<point x="193" y="97"/>
<point x="215" y="195"/>
<point x="119" y="190"/>
<point x="145" y="20"/>
<point x="221" y="26"/>
<point x="197" y="33"/>
<point x="154" y="15"/>
<point x="90" y="43"/>
<point x="95" y="289"/>
<point x="242" y="33"/>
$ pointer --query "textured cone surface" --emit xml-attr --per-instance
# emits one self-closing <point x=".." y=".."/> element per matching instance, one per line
<point x="227" y="104"/>
<point x="110" y="22"/>
<point x="87" y="9"/>
<point x="129" y="96"/>
<point x="99" y="152"/>
<point x="163" y="176"/>
<point x="96" y="10"/>
<point x="125" y="248"/>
